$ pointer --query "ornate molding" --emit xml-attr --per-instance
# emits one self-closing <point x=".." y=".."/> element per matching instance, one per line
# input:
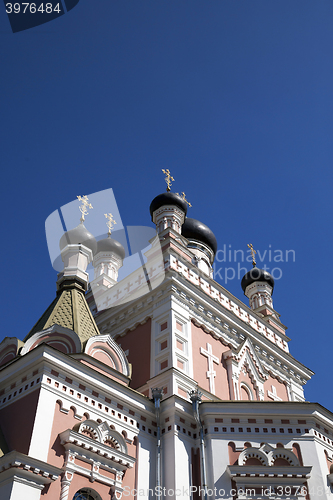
<point x="111" y="346"/>
<point x="79" y="444"/>
<point x="27" y="469"/>
<point x="95" y="452"/>
<point x="55" y="333"/>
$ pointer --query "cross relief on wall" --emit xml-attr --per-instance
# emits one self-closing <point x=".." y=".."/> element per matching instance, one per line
<point x="211" y="373"/>
<point x="273" y="394"/>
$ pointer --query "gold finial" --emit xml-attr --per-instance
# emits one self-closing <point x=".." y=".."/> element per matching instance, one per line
<point x="110" y="222"/>
<point x="184" y="198"/>
<point x="168" y="178"/>
<point x="253" y="252"/>
<point x="84" y="207"/>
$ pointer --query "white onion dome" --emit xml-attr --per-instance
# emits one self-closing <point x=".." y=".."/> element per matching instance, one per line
<point x="78" y="236"/>
<point x="110" y="245"/>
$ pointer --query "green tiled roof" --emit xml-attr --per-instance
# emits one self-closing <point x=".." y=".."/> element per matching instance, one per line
<point x="70" y="310"/>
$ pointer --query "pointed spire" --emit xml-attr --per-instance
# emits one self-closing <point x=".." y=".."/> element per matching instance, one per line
<point x="69" y="310"/>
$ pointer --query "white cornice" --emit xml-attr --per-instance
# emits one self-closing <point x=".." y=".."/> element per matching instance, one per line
<point x="256" y="474"/>
<point x="27" y="469"/>
<point x="217" y="321"/>
<point x="206" y="283"/>
<point x="47" y="358"/>
<point x="289" y="410"/>
<point x="94" y="450"/>
<point x="231" y="332"/>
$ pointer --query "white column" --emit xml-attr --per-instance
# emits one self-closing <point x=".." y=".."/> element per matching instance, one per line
<point x="39" y="448"/>
<point x="65" y="484"/>
<point x="146" y="466"/>
<point x="176" y="466"/>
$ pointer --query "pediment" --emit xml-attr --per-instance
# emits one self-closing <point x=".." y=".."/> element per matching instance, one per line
<point x="105" y="349"/>
<point x="60" y="338"/>
<point x="89" y="443"/>
<point x="246" y="354"/>
<point x="102" y="433"/>
<point x="9" y="349"/>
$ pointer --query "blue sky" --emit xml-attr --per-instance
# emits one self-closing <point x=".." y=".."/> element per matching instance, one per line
<point x="233" y="96"/>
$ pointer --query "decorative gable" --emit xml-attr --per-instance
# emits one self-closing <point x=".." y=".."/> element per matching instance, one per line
<point x="105" y="349"/>
<point x="58" y="337"/>
<point x="246" y="374"/>
<point x="102" y="433"/>
<point x="268" y="456"/>
<point x="9" y="349"/>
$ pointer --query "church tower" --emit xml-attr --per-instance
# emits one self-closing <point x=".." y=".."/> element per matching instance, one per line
<point x="161" y="384"/>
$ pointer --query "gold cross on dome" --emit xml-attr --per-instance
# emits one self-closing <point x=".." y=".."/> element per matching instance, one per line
<point x="184" y="198"/>
<point x="253" y="252"/>
<point x="110" y="222"/>
<point x="84" y="207"/>
<point x="168" y="178"/>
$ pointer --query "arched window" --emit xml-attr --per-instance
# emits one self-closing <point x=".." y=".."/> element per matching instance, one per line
<point x="297" y="452"/>
<point x="233" y="454"/>
<point x="253" y="461"/>
<point x="246" y="393"/>
<point x="86" y="494"/>
<point x="281" y="462"/>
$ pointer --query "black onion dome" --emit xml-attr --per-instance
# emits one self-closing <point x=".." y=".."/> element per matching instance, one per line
<point x="193" y="229"/>
<point x="256" y="275"/>
<point x="168" y="198"/>
<point x="78" y="235"/>
<point x="110" y="245"/>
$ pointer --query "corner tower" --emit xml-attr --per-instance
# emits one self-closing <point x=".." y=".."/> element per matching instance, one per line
<point x="258" y="286"/>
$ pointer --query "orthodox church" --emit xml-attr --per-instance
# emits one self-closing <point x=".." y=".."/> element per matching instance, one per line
<point x="158" y="385"/>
